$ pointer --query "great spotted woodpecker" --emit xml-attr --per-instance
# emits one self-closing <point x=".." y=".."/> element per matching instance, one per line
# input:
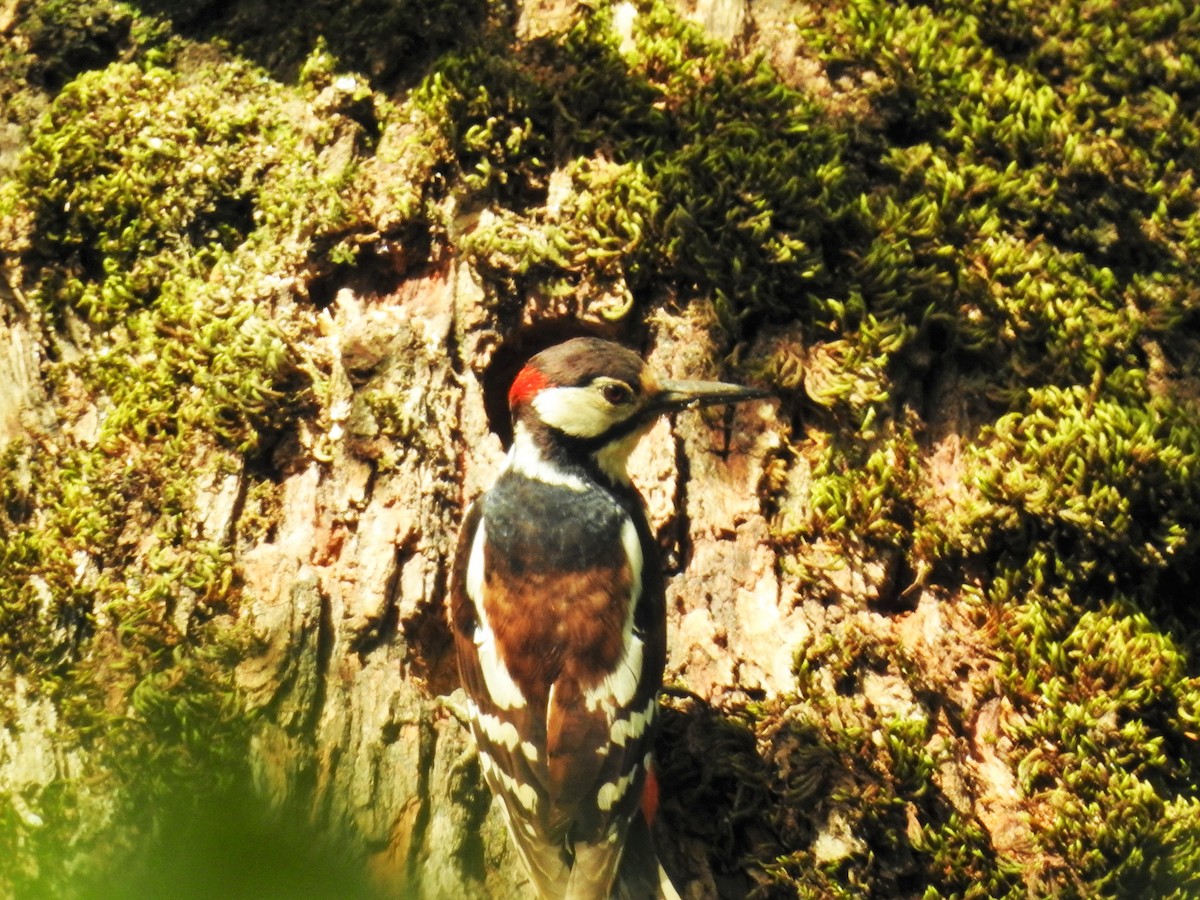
<point x="560" y="624"/>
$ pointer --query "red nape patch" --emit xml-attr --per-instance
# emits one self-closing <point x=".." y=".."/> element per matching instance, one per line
<point x="650" y="795"/>
<point x="525" y="386"/>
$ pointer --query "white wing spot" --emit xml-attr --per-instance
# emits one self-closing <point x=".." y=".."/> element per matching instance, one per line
<point x="498" y="731"/>
<point x="527" y="796"/>
<point x="611" y="792"/>
<point x="503" y="783"/>
<point x="624" y="730"/>
<point x="486" y="763"/>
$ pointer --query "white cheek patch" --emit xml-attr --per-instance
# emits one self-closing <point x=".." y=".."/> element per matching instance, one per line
<point x="496" y="678"/>
<point x="577" y="411"/>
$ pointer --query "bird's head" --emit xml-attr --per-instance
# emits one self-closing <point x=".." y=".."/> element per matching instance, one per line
<point x="590" y="399"/>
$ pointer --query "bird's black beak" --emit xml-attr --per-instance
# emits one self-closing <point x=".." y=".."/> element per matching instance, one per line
<point x="676" y="395"/>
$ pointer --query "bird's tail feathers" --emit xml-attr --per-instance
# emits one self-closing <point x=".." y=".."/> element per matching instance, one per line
<point x="594" y="870"/>
<point x="641" y="876"/>
<point x="544" y="863"/>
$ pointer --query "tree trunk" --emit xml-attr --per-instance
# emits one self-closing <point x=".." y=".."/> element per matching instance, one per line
<point x="268" y="275"/>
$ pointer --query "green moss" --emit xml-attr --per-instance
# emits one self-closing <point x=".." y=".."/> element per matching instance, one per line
<point x="137" y="177"/>
<point x="51" y="43"/>
<point x="1023" y="213"/>
<point x="160" y="215"/>
<point x="1110" y="745"/>
<point x="857" y="799"/>
<point x="489" y="112"/>
<point x="1120" y="509"/>
<point x="865" y="487"/>
<point x="978" y="192"/>
<point x="708" y="760"/>
<point x="996" y="211"/>
<point x="1087" y="567"/>
<point x="591" y="243"/>
<point x="727" y="183"/>
<point x="384" y="39"/>
<point x="753" y="187"/>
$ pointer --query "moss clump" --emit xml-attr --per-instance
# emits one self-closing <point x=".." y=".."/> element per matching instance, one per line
<point x="1087" y="570"/>
<point x="140" y="176"/>
<point x="588" y="243"/>
<point x="859" y="801"/>
<point x="755" y="197"/>
<point x="1110" y="745"/>
<point x="56" y="41"/>
<point x="1022" y="195"/>
<point x="383" y="39"/>
<point x="1121" y="509"/>
<point x="707" y="759"/>
<point x="160" y="216"/>
<point x="717" y="177"/>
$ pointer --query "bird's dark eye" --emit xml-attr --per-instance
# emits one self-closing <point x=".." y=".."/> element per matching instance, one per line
<point x="616" y="393"/>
